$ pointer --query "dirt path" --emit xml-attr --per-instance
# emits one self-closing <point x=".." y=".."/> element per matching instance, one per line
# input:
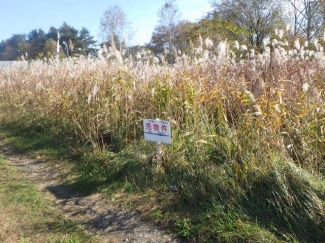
<point x="99" y="218"/>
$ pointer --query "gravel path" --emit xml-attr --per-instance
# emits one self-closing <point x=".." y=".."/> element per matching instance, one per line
<point x="108" y="223"/>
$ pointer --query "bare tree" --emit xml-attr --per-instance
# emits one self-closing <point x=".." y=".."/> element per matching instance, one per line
<point x="58" y="45"/>
<point x="308" y="17"/>
<point x="114" y="25"/>
<point x="169" y="17"/>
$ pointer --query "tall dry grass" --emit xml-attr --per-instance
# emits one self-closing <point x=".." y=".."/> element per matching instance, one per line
<point x="276" y="96"/>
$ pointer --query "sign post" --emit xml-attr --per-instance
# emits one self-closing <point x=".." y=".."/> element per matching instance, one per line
<point x="157" y="131"/>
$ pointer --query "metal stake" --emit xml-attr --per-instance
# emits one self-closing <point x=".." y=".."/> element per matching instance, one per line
<point x="159" y="149"/>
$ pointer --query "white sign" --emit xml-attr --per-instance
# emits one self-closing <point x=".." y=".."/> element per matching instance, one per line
<point x="157" y="131"/>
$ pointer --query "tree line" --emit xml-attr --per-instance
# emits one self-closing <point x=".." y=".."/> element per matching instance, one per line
<point x="38" y="44"/>
<point x="248" y="22"/>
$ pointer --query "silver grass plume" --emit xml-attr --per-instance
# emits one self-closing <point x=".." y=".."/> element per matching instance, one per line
<point x="200" y="41"/>
<point x="116" y="52"/>
<point x="208" y="43"/>
<point x="191" y="45"/>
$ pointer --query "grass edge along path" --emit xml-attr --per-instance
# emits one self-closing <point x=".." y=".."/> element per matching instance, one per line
<point x="26" y="215"/>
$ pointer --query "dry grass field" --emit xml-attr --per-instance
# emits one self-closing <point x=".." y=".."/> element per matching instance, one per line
<point x="248" y="132"/>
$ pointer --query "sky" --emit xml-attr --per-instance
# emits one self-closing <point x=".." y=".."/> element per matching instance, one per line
<point x="22" y="16"/>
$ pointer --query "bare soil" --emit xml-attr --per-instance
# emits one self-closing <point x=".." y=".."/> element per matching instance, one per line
<point x="94" y="213"/>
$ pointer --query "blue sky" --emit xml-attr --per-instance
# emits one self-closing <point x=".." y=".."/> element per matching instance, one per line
<point x="21" y="16"/>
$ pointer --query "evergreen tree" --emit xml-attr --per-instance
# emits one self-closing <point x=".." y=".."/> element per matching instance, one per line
<point x="14" y="47"/>
<point x="87" y="42"/>
<point x="37" y="40"/>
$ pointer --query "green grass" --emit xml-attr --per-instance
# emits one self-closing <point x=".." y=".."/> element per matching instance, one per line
<point x="27" y="216"/>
